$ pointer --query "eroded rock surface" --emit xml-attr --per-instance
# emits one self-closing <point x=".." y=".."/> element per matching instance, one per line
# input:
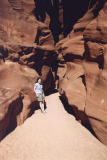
<point x="25" y="43"/>
<point x="82" y="55"/>
<point x="17" y="98"/>
<point x="28" y="43"/>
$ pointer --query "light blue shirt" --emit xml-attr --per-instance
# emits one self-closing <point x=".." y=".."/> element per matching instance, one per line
<point x="38" y="88"/>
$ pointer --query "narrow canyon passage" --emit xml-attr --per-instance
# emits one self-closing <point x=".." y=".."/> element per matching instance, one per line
<point x="55" y="135"/>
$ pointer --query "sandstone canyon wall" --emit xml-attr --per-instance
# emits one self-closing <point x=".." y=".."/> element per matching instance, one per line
<point x="26" y="52"/>
<point x="82" y="69"/>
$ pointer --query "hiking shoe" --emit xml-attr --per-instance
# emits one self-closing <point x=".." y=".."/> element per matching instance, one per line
<point x="44" y="111"/>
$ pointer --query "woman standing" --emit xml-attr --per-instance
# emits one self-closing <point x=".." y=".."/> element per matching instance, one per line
<point x="38" y="88"/>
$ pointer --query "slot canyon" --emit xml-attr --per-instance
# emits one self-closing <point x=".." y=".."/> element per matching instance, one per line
<point x="65" y="43"/>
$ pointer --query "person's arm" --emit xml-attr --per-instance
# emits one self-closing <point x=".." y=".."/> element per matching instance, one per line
<point x="43" y="93"/>
<point x="35" y="88"/>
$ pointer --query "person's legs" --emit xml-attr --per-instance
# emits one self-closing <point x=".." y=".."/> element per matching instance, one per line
<point x="42" y="106"/>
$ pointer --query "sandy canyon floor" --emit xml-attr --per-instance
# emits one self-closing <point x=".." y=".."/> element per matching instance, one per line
<point x="55" y="135"/>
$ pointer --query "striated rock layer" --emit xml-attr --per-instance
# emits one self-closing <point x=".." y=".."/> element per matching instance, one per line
<point x="82" y="69"/>
<point x="23" y="39"/>
<point x="17" y="98"/>
<point x="25" y="43"/>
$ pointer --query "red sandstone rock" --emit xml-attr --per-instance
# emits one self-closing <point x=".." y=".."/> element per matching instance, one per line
<point x="71" y="86"/>
<point x="96" y="99"/>
<point x="95" y="74"/>
<point x="17" y="97"/>
<point x="72" y="47"/>
<point x="23" y="39"/>
<point x="93" y="49"/>
<point x="87" y="92"/>
<point x="47" y="78"/>
<point x="83" y="85"/>
<point x="10" y="107"/>
<point x="28" y="43"/>
<point x="96" y="30"/>
<point x="18" y="23"/>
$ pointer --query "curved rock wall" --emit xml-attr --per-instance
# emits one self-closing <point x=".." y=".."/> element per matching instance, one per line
<point x="25" y="43"/>
<point x="23" y="39"/>
<point x="82" y="69"/>
<point x="17" y="98"/>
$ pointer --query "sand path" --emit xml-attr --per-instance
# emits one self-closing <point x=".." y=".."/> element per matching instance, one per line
<point x="55" y="135"/>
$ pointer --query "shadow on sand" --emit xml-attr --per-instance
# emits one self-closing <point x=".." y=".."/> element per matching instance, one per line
<point x="79" y="115"/>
